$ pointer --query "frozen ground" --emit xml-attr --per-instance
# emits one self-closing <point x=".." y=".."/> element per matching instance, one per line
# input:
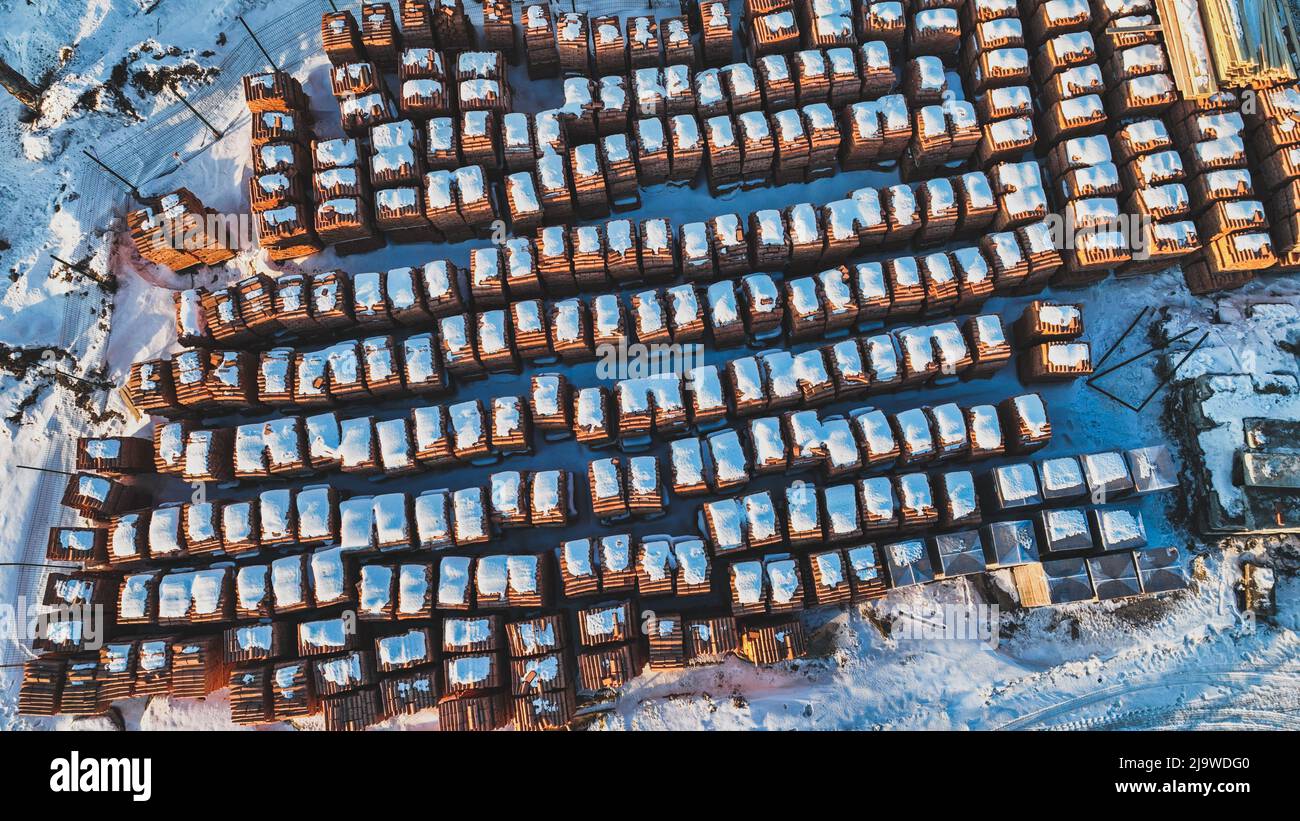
<point x="1183" y="660"/>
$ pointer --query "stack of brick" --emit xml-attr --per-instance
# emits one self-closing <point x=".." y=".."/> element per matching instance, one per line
<point x="541" y="681"/>
<point x="1131" y="61"/>
<point x="452" y="26"/>
<point x="1231" y="219"/>
<point x="362" y="96"/>
<point x="344" y="198"/>
<point x="397" y="174"/>
<point x="425" y="87"/>
<point x="499" y="27"/>
<point x="379" y="35"/>
<point x="173" y="230"/>
<point x="771" y="26"/>
<point x="278" y="190"/>
<point x="1274" y="128"/>
<point x="995" y="66"/>
<point x="715" y="32"/>
<point x="540" y="46"/>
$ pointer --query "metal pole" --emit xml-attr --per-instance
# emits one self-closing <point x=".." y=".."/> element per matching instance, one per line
<point x="135" y="192"/>
<point x="87" y="382"/>
<point x="77" y="268"/>
<point x="1105" y="392"/>
<point x="1137" y="356"/>
<point x="47" y="470"/>
<point x="175" y="91"/>
<point x="1123" y="336"/>
<point x="265" y="53"/>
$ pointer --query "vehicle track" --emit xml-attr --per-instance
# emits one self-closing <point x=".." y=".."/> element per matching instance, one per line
<point x="1278" y="708"/>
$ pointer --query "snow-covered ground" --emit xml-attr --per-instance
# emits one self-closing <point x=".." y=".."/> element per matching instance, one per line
<point x="1182" y="659"/>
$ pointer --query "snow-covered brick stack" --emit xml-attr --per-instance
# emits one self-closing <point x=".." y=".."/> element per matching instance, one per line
<point x="573" y="43"/>
<point x="1073" y="116"/>
<point x="994" y="55"/>
<point x="945" y="129"/>
<point x="278" y="189"/>
<point x="1096" y="238"/>
<point x="481" y="83"/>
<point x="665" y="634"/>
<point x="473" y="660"/>
<point x="1044" y="321"/>
<point x="715" y="32"/>
<point x="591" y="198"/>
<point x="1233" y="225"/>
<point x="934" y="29"/>
<point x="609" y="46"/>
<point x="344" y="196"/>
<point x="540" y="41"/>
<point x="114" y="455"/>
<point x="425" y="86"/>
<point x="610" y="654"/>
<point x="823" y="139"/>
<point x="1140" y="80"/>
<point x="458" y="204"/>
<point x="86" y="546"/>
<point x="589" y="566"/>
<point x="1022" y="198"/>
<point x="872" y="132"/>
<point x="379" y="35"/>
<point x="396" y="155"/>
<point x="362" y="95"/>
<point x="827" y="24"/>
<point x="775" y="83"/>
<point x="1274" y="128"/>
<point x="341" y="37"/>
<point x="882" y="20"/>
<point x="607" y="482"/>
<point x="1025" y="422"/>
<point x="772" y="27"/>
<point x="812" y="76"/>
<point x="99" y="497"/>
<point x="498" y="27"/>
<point x="417" y="24"/>
<point x="541" y="680"/>
<point x="997" y="67"/>
<point x="770" y="585"/>
<point x="1055" y="362"/>
<point x="679" y="47"/>
<point x="172" y="230"/>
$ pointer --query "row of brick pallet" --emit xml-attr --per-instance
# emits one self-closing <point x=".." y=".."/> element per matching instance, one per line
<point x="432" y="521"/>
<point x="578" y="43"/>
<point x="864" y="439"/>
<point x="453" y="205"/>
<point x="752" y="309"/>
<point x="805" y="515"/>
<point x="432" y="435"/>
<point x="621" y="253"/>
